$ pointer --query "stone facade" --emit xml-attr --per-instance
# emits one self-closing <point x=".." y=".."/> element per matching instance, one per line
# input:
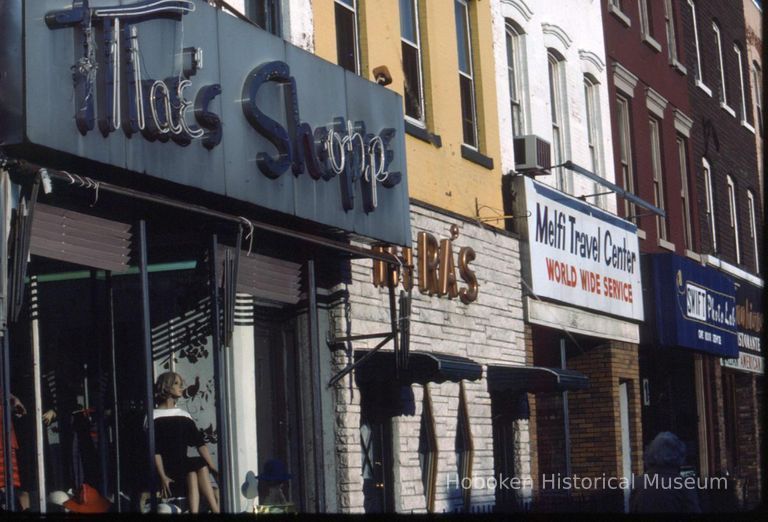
<point x="489" y="330"/>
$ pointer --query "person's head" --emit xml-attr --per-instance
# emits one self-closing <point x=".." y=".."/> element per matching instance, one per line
<point x="169" y="385"/>
<point x="666" y="450"/>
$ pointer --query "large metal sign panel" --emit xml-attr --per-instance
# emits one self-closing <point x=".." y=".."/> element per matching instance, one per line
<point x="695" y="306"/>
<point x="181" y="91"/>
<point x="580" y="254"/>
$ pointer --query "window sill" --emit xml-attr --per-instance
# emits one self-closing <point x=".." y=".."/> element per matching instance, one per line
<point x="651" y="42"/>
<point x="703" y="87"/>
<point x="679" y="67"/>
<point x="641" y="233"/>
<point x="422" y="134"/>
<point x="693" y="255"/>
<point x="475" y="157"/>
<point x="618" y="13"/>
<point x="727" y="109"/>
<point x="663" y="243"/>
<point x="746" y="125"/>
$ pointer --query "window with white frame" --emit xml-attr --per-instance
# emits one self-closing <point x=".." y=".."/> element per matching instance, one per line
<point x="413" y="75"/>
<point x="721" y="64"/>
<point x="646" y="23"/>
<point x="557" y="113"/>
<point x="741" y="84"/>
<point x="658" y="176"/>
<point x="710" y="203"/>
<point x="699" y="71"/>
<point x="514" y="76"/>
<point x="625" y="153"/>
<point x="594" y="128"/>
<point x="753" y="228"/>
<point x="757" y="94"/>
<point x="347" y="35"/>
<point x="733" y="217"/>
<point x="669" y="20"/>
<point x="685" y="201"/>
<point x="466" y="75"/>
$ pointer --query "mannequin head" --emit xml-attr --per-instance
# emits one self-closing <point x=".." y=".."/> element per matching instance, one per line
<point x="169" y="385"/>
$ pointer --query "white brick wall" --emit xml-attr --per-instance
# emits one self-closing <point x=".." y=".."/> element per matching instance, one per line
<point x="490" y="330"/>
<point x="581" y="23"/>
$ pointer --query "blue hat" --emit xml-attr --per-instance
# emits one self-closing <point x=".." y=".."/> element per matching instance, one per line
<point x="274" y="471"/>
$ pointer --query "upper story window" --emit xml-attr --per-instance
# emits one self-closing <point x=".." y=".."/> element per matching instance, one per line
<point x="556" y="70"/>
<point x="721" y="64"/>
<point x="594" y="129"/>
<point x="672" y="51"/>
<point x="646" y="24"/>
<point x="413" y="73"/>
<point x="617" y="8"/>
<point x="347" y="35"/>
<point x="265" y="13"/>
<point x="742" y="89"/>
<point x="757" y="94"/>
<point x="710" y="203"/>
<point x="624" y="125"/>
<point x="699" y="71"/>
<point x="685" y="200"/>
<point x="753" y="228"/>
<point x="733" y="216"/>
<point x="658" y="176"/>
<point x="466" y="74"/>
<point x="514" y="75"/>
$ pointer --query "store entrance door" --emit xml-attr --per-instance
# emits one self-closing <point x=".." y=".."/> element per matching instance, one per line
<point x="278" y="419"/>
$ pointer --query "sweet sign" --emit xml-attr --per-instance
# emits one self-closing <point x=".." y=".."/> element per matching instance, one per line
<point x="181" y="91"/>
<point x="580" y="254"/>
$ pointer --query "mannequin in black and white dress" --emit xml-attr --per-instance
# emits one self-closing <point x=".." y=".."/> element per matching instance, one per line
<point x="175" y="431"/>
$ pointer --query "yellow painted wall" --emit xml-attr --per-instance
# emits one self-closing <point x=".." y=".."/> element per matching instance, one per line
<point x="439" y="176"/>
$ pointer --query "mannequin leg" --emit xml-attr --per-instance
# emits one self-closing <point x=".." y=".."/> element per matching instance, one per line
<point x="204" y="481"/>
<point x="193" y="492"/>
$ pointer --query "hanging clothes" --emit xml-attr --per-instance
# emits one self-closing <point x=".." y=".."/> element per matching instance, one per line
<point x="14" y="449"/>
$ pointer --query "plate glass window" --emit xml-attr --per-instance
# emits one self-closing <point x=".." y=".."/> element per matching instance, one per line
<point x="466" y="76"/>
<point x="413" y="76"/>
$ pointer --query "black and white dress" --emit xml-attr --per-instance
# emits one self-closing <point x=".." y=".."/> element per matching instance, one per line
<point x="175" y="431"/>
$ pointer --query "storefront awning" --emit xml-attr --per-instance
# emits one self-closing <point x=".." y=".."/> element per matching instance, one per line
<point x="534" y="379"/>
<point x="423" y="367"/>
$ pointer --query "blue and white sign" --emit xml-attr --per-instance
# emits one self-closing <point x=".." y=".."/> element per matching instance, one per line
<point x="695" y="306"/>
<point x="181" y="91"/>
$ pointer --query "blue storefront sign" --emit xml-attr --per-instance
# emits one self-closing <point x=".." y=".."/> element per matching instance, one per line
<point x="695" y="306"/>
<point x="181" y="91"/>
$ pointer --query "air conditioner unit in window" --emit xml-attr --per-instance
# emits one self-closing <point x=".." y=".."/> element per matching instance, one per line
<point x="532" y="153"/>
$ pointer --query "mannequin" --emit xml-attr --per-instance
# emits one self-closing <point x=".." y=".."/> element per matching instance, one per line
<point x="174" y="432"/>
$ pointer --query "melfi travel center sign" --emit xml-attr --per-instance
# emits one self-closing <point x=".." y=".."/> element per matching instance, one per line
<point x="580" y="254"/>
<point x="178" y="90"/>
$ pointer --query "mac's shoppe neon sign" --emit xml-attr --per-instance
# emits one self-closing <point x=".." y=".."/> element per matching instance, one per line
<point x="115" y="93"/>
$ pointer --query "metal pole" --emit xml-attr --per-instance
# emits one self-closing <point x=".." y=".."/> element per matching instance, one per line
<point x="566" y="421"/>
<point x="115" y="404"/>
<point x="317" y="410"/>
<point x="148" y="367"/>
<point x="10" y="498"/>
<point x="36" y="371"/>
<point x="101" y="427"/>
<point x="218" y="375"/>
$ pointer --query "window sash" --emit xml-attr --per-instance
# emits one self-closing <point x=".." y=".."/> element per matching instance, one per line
<point x="669" y="16"/>
<point x="466" y="78"/>
<point x="699" y="75"/>
<point x="733" y="216"/>
<point x="710" y="204"/>
<point x="347" y="35"/>
<point x="625" y="151"/>
<point x="658" y="182"/>
<point x="718" y="44"/>
<point x="513" y="75"/>
<point x="646" y="27"/>
<point x="757" y="91"/>
<point x="753" y="228"/>
<point x="741" y="83"/>
<point x="682" y="151"/>
<point x="413" y="73"/>
<point x="556" y="113"/>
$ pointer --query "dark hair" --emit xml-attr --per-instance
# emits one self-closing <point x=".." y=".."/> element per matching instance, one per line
<point x="163" y="385"/>
<point x="665" y="450"/>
